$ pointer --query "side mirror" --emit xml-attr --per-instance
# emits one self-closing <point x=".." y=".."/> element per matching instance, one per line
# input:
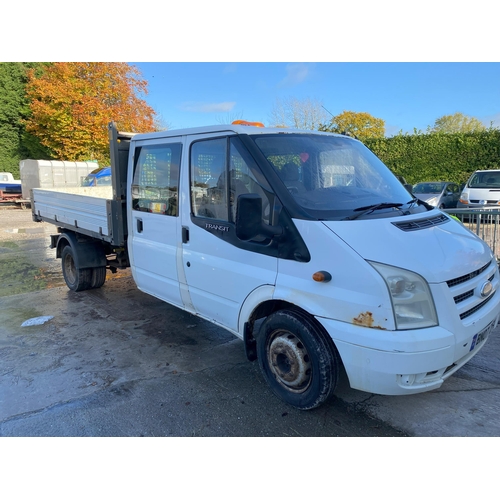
<point x="249" y="223"/>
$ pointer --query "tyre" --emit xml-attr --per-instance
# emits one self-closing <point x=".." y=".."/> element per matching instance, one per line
<point x="98" y="277"/>
<point x="298" y="362"/>
<point x="76" y="279"/>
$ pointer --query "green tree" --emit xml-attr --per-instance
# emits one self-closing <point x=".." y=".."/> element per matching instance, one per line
<point x="15" y="142"/>
<point x="457" y="123"/>
<point x="360" y="125"/>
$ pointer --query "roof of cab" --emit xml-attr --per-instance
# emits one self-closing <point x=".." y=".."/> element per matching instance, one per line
<point x="212" y="129"/>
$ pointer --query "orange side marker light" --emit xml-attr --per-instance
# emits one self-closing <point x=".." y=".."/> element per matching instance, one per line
<point x="322" y="276"/>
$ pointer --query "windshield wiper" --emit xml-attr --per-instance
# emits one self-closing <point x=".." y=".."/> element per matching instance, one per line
<point x="420" y="202"/>
<point x="371" y="208"/>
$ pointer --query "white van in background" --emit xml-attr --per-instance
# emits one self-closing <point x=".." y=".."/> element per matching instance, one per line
<point x="482" y="190"/>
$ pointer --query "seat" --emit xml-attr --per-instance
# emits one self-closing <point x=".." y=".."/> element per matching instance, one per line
<point x="290" y="176"/>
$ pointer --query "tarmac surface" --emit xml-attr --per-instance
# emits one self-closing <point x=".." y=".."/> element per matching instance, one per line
<point x="117" y="362"/>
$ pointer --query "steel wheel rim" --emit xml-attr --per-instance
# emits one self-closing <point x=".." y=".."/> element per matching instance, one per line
<point x="289" y="361"/>
<point x="69" y="266"/>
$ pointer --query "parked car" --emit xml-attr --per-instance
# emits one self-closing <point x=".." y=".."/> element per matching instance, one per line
<point x="438" y="194"/>
<point x="98" y="177"/>
<point x="482" y="190"/>
<point x="8" y="184"/>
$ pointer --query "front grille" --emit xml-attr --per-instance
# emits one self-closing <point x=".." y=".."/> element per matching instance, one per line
<point x="476" y="308"/>
<point x="463" y="296"/>
<point x="415" y="225"/>
<point x="464" y="289"/>
<point x="467" y="277"/>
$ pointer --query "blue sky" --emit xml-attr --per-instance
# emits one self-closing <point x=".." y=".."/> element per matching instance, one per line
<point x="402" y="62"/>
<point x="405" y="95"/>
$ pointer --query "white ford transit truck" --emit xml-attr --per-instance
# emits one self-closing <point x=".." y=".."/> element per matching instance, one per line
<point x="305" y="234"/>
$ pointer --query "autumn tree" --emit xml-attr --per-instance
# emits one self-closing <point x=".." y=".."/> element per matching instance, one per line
<point x="72" y="103"/>
<point x="306" y="114"/>
<point x="457" y="123"/>
<point x="360" y="125"/>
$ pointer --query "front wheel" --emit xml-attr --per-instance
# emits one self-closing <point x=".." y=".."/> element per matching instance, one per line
<point x="297" y="360"/>
<point x="76" y="279"/>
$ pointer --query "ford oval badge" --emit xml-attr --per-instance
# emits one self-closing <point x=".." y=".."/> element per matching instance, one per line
<point x="486" y="289"/>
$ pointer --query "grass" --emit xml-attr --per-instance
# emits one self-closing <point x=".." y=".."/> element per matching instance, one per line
<point x="9" y="244"/>
<point x="19" y="276"/>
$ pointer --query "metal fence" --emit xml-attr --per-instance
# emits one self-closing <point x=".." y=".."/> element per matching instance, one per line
<point x="483" y="222"/>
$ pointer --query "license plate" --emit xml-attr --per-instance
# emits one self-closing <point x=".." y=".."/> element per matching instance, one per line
<point x="480" y="337"/>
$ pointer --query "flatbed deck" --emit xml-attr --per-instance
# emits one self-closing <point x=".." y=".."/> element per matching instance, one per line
<point x="82" y="209"/>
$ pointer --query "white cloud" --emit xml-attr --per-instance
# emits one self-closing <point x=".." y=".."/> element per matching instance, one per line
<point x="207" y="107"/>
<point x="295" y="73"/>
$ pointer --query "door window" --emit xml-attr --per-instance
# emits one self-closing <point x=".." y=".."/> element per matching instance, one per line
<point x="208" y="181"/>
<point x="156" y="179"/>
<point x="213" y="162"/>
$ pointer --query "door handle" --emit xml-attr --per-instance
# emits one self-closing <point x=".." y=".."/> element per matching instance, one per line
<point x="139" y="225"/>
<point x="185" y="234"/>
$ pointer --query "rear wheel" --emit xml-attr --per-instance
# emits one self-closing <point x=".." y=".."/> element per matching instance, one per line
<point x="299" y="363"/>
<point x="98" y="277"/>
<point x="76" y="279"/>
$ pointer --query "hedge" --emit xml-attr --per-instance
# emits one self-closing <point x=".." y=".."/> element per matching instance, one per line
<point x="438" y="156"/>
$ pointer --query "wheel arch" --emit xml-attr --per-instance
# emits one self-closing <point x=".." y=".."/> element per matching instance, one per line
<point x="87" y="252"/>
<point x="265" y="309"/>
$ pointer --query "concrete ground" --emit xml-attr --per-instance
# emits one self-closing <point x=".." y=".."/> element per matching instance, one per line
<point x="117" y="362"/>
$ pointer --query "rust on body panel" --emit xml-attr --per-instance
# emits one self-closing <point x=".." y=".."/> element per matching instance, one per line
<point x="366" y="319"/>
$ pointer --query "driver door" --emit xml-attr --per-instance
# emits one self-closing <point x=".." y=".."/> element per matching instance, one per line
<point x="220" y="270"/>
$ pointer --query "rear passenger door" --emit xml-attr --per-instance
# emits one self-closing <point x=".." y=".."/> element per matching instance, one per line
<point x="154" y="223"/>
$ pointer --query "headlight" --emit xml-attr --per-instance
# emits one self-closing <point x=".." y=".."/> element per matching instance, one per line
<point x="432" y="201"/>
<point x="411" y="297"/>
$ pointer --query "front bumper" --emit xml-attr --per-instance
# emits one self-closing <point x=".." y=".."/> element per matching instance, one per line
<point x="418" y="360"/>
<point x="478" y="205"/>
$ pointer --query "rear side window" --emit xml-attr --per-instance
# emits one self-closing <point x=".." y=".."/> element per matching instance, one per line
<point x="155" y="186"/>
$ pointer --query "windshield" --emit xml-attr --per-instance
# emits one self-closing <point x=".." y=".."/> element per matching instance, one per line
<point x="331" y="176"/>
<point x="428" y="188"/>
<point x="486" y="179"/>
